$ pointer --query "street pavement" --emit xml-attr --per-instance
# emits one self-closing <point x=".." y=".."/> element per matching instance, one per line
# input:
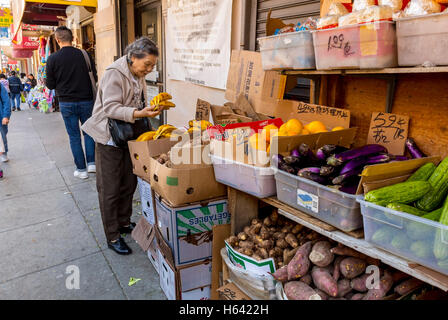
<point x="50" y="224"/>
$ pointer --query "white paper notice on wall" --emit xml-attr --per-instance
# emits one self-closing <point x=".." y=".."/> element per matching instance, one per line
<point x="198" y="41"/>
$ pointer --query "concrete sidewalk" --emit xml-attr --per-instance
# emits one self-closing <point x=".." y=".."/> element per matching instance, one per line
<point x="50" y="220"/>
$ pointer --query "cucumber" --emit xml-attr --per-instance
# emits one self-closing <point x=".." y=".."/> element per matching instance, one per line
<point x="441" y="241"/>
<point x="405" y="208"/>
<point x="439" y="184"/>
<point x="423" y="173"/>
<point x="404" y="192"/>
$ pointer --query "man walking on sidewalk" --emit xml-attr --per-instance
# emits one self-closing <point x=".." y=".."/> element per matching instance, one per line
<point x="15" y="87"/>
<point x="68" y="73"/>
<point x="5" y="113"/>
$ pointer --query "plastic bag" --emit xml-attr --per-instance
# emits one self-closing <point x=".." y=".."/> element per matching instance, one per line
<point x="421" y="7"/>
<point x="375" y="13"/>
<point x="349" y="19"/>
<point x="396" y="5"/>
<point x="327" y="22"/>
<point x="359" y="5"/>
<point x="337" y="9"/>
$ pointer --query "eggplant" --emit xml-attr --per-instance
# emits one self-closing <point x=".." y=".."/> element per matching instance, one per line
<point x="307" y="154"/>
<point x="349" y="188"/>
<point x="288" y="168"/>
<point x="292" y="160"/>
<point x="314" y="177"/>
<point x="354" y="164"/>
<point x="414" y="151"/>
<point x="341" y="178"/>
<point x="277" y="160"/>
<point x="320" y="155"/>
<point x="309" y="169"/>
<point x="340" y="158"/>
<point x="295" y="153"/>
<point x="327" y="170"/>
<point x="381" y="158"/>
<point x="330" y="149"/>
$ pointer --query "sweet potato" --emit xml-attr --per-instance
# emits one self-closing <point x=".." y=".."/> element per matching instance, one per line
<point x="408" y="286"/>
<point x="291" y="240"/>
<point x="297" y="290"/>
<point x="232" y="240"/>
<point x="352" y="267"/>
<point x="399" y="276"/>
<point x="343" y="287"/>
<point x="281" y="274"/>
<point x="359" y="283"/>
<point x="267" y="222"/>
<point x="307" y="279"/>
<point x="322" y="294"/>
<point x="321" y="255"/>
<point x="296" y="229"/>
<point x="300" y="263"/>
<point x="349" y="295"/>
<point x="279" y="235"/>
<point x="324" y="281"/>
<point x="336" y="269"/>
<point x="358" y="296"/>
<point x="243" y="236"/>
<point x="386" y="284"/>
<point x="336" y="298"/>
<point x="246" y="244"/>
<point x="281" y="243"/>
<point x="342" y="250"/>
<point x="288" y="254"/>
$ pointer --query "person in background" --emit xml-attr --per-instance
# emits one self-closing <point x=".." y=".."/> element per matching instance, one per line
<point x="5" y="83"/>
<point x="15" y="87"/>
<point x="32" y="80"/>
<point x="122" y="96"/>
<point x="68" y="73"/>
<point x="5" y="114"/>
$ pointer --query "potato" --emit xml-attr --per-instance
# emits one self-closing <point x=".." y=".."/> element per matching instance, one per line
<point x="232" y="240"/>
<point x="281" y="243"/>
<point x="321" y="255"/>
<point x="281" y="274"/>
<point x="274" y="216"/>
<point x="255" y="229"/>
<point x="243" y="236"/>
<point x="297" y="290"/>
<point x="279" y="235"/>
<point x="286" y="229"/>
<point x="291" y="240"/>
<point x="262" y="252"/>
<point x="246" y="244"/>
<point x="324" y="281"/>
<point x="359" y="283"/>
<point x="322" y="294"/>
<point x="300" y="263"/>
<point x="272" y="253"/>
<point x="307" y="279"/>
<point x="297" y="228"/>
<point x="267" y="222"/>
<point x="352" y="267"/>
<point x="266" y="244"/>
<point x="343" y="287"/>
<point x="255" y="222"/>
<point x="408" y="286"/>
<point x="256" y="257"/>
<point x="240" y="250"/>
<point x="264" y="233"/>
<point x="248" y="252"/>
<point x="247" y="230"/>
<point x="386" y="284"/>
<point x="289" y="254"/>
<point x="281" y="221"/>
<point x="273" y="230"/>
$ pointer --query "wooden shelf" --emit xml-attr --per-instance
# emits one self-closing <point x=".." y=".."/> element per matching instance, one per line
<point x="367" y="71"/>
<point x="425" y="274"/>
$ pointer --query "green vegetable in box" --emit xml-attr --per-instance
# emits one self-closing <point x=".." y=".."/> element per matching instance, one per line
<point x="439" y="184"/>
<point x="421" y="249"/>
<point x="423" y="173"/>
<point x="420" y="231"/>
<point x="400" y="241"/>
<point x="404" y="192"/>
<point x="406" y="208"/>
<point x="441" y="241"/>
<point x="383" y="235"/>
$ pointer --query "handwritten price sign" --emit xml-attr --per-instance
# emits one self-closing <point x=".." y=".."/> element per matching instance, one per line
<point x="389" y="130"/>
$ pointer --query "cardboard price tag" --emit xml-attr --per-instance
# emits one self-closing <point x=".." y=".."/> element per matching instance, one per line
<point x="389" y="130"/>
<point x="202" y="110"/>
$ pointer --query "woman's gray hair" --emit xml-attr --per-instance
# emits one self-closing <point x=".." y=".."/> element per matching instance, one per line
<point x="140" y="48"/>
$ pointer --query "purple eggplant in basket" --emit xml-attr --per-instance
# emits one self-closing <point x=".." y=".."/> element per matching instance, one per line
<point x="287" y="168"/>
<point x="340" y="158"/>
<point x="292" y="161"/>
<point x="327" y="171"/>
<point x="309" y="169"/>
<point x="349" y="188"/>
<point x="415" y="152"/>
<point x="307" y="155"/>
<point x="295" y="153"/>
<point x="277" y="160"/>
<point x="314" y="177"/>
<point x="381" y="158"/>
<point x="341" y="178"/>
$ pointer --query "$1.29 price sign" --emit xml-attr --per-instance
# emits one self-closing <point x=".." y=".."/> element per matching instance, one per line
<point x="389" y="130"/>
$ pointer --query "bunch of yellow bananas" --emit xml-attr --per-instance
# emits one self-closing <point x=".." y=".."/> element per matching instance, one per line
<point x="162" y="99"/>
<point x="164" y="131"/>
<point x="146" y="136"/>
<point x="202" y="125"/>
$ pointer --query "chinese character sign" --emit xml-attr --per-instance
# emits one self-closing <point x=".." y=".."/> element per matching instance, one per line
<point x="5" y="17"/>
<point x="389" y="130"/>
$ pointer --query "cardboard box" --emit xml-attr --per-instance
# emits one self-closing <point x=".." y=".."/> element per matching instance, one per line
<point x="147" y="200"/>
<point x="144" y="234"/>
<point x="141" y="153"/>
<point x="190" y="282"/>
<point x="153" y="255"/>
<point x="186" y="184"/>
<point x="245" y="262"/>
<point x="188" y="229"/>
<point x="231" y="292"/>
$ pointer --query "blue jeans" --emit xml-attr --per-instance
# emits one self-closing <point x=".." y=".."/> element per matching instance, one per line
<point x="15" y="98"/>
<point x="73" y="113"/>
<point x="4" y="131"/>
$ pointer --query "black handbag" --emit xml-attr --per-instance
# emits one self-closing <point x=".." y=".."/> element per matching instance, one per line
<point x="122" y="131"/>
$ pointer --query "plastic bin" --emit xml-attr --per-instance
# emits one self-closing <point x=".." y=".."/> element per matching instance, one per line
<point x="366" y="46"/>
<point x="423" y="40"/>
<point x="327" y="204"/>
<point x="403" y="234"/>
<point x="292" y="50"/>
<point x="257" y="181"/>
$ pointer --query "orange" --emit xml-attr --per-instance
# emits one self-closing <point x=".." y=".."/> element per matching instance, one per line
<point x="283" y="130"/>
<point x="337" y="128"/>
<point x="315" y="127"/>
<point x="257" y="142"/>
<point x="268" y="131"/>
<point x="305" y="132"/>
<point x="294" y="127"/>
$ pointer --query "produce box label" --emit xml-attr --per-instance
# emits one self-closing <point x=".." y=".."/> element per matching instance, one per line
<point x="389" y="130"/>
<point x="242" y="261"/>
<point x="308" y="200"/>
